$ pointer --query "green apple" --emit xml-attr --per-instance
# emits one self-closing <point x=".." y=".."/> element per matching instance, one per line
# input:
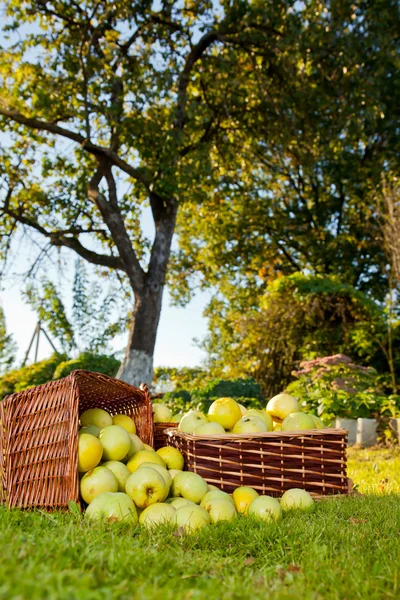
<point x="147" y="447"/>
<point x="225" y="411"/>
<point x="135" y="447"/>
<point x="265" y="508"/>
<point x="263" y="415"/>
<point x="172" y="457"/>
<point x="144" y="456"/>
<point x="120" y="471"/>
<point x="125" y="422"/>
<point x="243" y="409"/>
<point x="317" y="421"/>
<point x="209" y="429"/>
<point x="250" y="424"/>
<point x="176" y="418"/>
<point x="92" y="429"/>
<point x="157" y="514"/>
<point x="110" y="507"/>
<point x="191" y="421"/>
<point x="211" y="495"/>
<point x="146" y="486"/>
<point x="297" y="498"/>
<point x="96" y="416"/>
<point x="190" y="486"/>
<point x="297" y="421"/>
<point x="191" y="518"/>
<point x="96" y="482"/>
<point x="243" y="497"/>
<point x="90" y="452"/>
<point x="220" y="509"/>
<point x="115" y="441"/>
<point x="174" y="472"/>
<point x="210" y="487"/>
<point x="161" y="413"/>
<point x="178" y="502"/>
<point x="282" y="405"/>
<point x="163" y="472"/>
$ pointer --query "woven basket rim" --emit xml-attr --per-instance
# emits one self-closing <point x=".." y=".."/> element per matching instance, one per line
<point x="259" y="435"/>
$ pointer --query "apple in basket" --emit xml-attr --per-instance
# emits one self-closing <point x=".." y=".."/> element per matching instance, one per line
<point x="282" y="405"/>
<point x="115" y="441"/>
<point x="297" y="421"/>
<point x="250" y="424"/>
<point x="209" y="429"/>
<point x="191" y="420"/>
<point x="263" y="415"/>
<point x="161" y="413"/>
<point x="225" y="411"/>
<point x="126" y="422"/>
<point x="96" y="416"/>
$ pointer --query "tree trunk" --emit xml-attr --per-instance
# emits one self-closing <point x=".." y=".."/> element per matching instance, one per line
<point x="137" y="366"/>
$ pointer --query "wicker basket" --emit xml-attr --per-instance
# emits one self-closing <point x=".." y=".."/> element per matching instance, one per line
<point x="160" y="436"/>
<point x="271" y="463"/>
<point x="39" y="434"/>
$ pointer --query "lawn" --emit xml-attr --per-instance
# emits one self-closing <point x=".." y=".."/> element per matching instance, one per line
<point x="348" y="548"/>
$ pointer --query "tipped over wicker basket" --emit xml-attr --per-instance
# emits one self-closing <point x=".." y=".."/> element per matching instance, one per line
<point x="39" y="434"/>
<point x="271" y="463"/>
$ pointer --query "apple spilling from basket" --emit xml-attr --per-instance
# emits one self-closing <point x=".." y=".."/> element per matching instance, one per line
<point x="123" y="479"/>
<point x="226" y="416"/>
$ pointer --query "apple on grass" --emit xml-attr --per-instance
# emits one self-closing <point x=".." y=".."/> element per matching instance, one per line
<point x="243" y="497"/>
<point x="125" y="422"/>
<point x="250" y="424"/>
<point x="298" y="421"/>
<point x="96" y="482"/>
<point x="265" y="508"/>
<point x="157" y="514"/>
<point x="115" y="441"/>
<point x="146" y="486"/>
<point x="90" y="452"/>
<point x="209" y="429"/>
<point x="263" y="415"/>
<point x="190" y="486"/>
<point x="110" y="507"/>
<point x="191" y="518"/>
<point x="282" y="405"/>
<point x="172" y="457"/>
<point x="211" y="495"/>
<point x="191" y="421"/>
<point x="297" y="498"/>
<point x="225" y="411"/>
<point x="120" y="471"/>
<point x="96" y="416"/>
<point x="220" y="509"/>
<point x="144" y="456"/>
<point x="161" y="413"/>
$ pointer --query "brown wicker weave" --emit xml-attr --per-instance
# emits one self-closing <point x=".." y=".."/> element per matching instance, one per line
<point x="271" y="463"/>
<point x="160" y="437"/>
<point x="39" y="434"/>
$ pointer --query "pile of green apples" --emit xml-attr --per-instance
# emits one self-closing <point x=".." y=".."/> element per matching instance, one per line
<point x="225" y="415"/>
<point x="123" y="479"/>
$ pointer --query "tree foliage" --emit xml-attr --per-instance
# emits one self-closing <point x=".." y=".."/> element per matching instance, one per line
<point x="7" y="346"/>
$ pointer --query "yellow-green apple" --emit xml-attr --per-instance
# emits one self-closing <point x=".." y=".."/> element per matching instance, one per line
<point x="115" y="441"/>
<point x="178" y="502"/>
<point x="147" y="447"/>
<point x="96" y="482"/>
<point x="176" y="418"/>
<point x="319" y="424"/>
<point x="174" y="472"/>
<point x="263" y="415"/>
<point x="250" y="424"/>
<point x="96" y="416"/>
<point x="210" y="487"/>
<point x="92" y="429"/>
<point x="90" y="452"/>
<point x="144" y="456"/>
<point x="191" y="421"/>
<point x="146" y="486"/>
<point x="297" y="421"/>
<point x="126" y="422"/>
<point x="191" y="518"/>
<point x="120" y="471"/>
<point x="243" y="497"/>
<point x="277" y="427"/>
<point x="243" y="409"/>
<point x="190" y="486"/>
<point x="220" y="509"/>
<point x="282" y="405"/>
<point x="297" y="498"/>
<point x="110" y="507"/>
<point x="157" y="514"/>
<point x="265" y="508"/>
<point x="209" y="429"/>
<point x="161" y="413"/>
<point x="163" y="472"/>
<point x="225" y="411"/>
<point x="211" y="495"/>
<point x="172" y="457"/>
<point x="135" y="447"/>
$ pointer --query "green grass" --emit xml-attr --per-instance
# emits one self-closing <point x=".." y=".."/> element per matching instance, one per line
<point x="349" y="548"/>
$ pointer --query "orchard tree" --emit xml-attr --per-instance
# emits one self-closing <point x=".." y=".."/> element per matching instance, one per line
<point x="111" y="109"/>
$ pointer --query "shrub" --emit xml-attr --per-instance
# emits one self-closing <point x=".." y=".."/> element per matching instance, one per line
<point x="30" y="376"/>
<point x="100" y="363"/>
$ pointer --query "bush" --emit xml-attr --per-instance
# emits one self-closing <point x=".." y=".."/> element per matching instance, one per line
<point x="30" y="376"/>
<point x="336" y="387"/>
<point x="100" y="363"/>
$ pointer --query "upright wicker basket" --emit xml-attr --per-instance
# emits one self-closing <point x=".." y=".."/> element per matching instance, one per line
<point x="39" y="434"/>
<point x="160" y="434"/>
<point x="272" y="463"/>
